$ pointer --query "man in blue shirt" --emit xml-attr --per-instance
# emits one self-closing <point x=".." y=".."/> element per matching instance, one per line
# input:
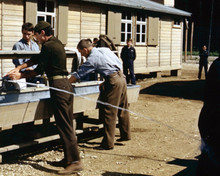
<point x="26" y="44"/>
<point x="112" y="91"/>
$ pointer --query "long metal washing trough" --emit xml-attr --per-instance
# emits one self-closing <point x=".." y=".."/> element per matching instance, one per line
<point x="33" y="103"/>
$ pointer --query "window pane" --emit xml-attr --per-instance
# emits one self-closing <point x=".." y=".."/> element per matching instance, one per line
<point x="128" y="15"/>
<point x="143" y="28"/>
<point x="128" y="36"/>
<point x="138" y="28"/>
<point x="50" y="6"/>
<point x="138" y="38"/>
<point x="41" y="5"/>
<point x="123" y="27"/>
<point x="40" y="18"/>
<point x="143" y="38"/>
<point x="49" y="19"/>
<point x="129" y="27"/>
<point x="122" y="37"/>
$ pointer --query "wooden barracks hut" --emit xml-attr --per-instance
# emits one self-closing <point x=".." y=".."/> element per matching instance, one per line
<point x="155" y="27"/>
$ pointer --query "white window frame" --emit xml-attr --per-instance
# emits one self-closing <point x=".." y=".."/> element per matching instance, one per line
<point x="141" y="33"/>
<point x="126" y="22"/>
<point x="177" y="23"/>
<point x="45" y="14"/>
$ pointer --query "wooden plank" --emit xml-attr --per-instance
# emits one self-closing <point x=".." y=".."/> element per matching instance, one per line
<point x="30" y="143"/>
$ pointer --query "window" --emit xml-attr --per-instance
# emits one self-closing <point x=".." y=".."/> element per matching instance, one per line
<point x="177" y="23"/>
<point x="126" y="26"/>
<point x="141" y="29"/>
<point x="46" y="12"/>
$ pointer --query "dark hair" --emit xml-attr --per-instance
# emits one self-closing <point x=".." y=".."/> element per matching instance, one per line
<point x="27" y="26"/>
<point x="84" y="43"/>
<point x="95" y="39"/>
<point x="129" y="39"/>
<point x="48" y="31"/>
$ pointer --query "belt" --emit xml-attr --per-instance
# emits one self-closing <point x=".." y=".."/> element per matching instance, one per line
<point x="112" y="75"/>
<point x="57" y="77"/>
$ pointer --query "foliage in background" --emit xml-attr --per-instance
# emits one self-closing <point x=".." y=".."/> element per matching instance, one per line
<point x="196" y="53"/>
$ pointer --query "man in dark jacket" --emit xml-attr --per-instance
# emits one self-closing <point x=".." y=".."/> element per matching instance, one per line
<point x="52" y="61"/>
<point x="128" y="55"/>
<point x="209" y="123"/>
<point x="203" y="61"/>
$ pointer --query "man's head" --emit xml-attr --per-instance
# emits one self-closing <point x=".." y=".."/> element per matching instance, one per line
<point x="43" y="31"/>
<point x="204" y="47"/>
<point x="129" y="42"/>
<point x="85" y="47"/>
<point x="95" y="40"/>
<point x="27" y="31"/>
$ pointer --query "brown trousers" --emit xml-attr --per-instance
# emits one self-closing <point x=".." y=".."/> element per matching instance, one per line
<point x="63" y="113"/>
<point x="114" y="92"/>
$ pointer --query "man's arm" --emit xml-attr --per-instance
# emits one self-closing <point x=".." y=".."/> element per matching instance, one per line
<point x="72" y="79"/>
<point x="134" y="53"/>
<point x="20" y="67"/>
<point x="15" y="73"/>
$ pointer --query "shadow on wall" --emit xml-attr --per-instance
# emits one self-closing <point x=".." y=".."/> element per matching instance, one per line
<point x="183" y="89"/>
<point x="121" y="174"/>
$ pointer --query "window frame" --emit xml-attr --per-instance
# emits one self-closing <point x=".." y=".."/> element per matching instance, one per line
<point x="126" y="22"/>
<point x="141" y="23"/>
<point x="45" y="14"/>
<point x="177" y="23"/>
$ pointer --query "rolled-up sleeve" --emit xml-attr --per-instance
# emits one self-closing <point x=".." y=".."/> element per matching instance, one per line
<point x="83" y="70"/>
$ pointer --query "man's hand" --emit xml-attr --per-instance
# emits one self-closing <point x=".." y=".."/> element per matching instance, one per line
<point x="72" y="79"/>
<point x="15" y="76"/>
<point x="15" y="70"/>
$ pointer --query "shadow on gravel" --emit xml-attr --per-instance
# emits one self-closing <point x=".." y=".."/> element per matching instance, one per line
<point x="121" y="174"/>
<point x="191" y="166"/>
<point x="183" y="89"/>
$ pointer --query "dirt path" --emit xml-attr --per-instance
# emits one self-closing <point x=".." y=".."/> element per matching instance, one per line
<point x="165" y="138"/>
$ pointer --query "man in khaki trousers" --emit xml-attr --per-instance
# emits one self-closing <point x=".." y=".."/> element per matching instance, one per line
<point x="112" y="91"/>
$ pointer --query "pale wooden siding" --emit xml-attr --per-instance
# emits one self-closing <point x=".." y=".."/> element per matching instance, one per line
<point x="74" y="25"/>
<point x="176" y="46"/>
<point x="13" y="16"/>
<point x="153" y="57"/>
<point x="141" y="60"/>
<point x="165" y="43"/>
<point x="85" y="21"/>
<point x="103" y="21"/>
<point x="91" y="23"/>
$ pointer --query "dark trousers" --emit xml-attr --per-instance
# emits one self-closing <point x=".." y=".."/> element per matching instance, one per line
<point x="129" y="65"/>
<point x="63" y="113"/>
<point x="114" y="91"/>
<point x="201" y="65"/>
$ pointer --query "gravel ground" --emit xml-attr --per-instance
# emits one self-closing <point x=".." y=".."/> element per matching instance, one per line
<point x="165" y="138"/>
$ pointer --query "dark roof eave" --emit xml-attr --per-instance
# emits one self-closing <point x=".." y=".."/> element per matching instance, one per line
<point x="155" y="7"/>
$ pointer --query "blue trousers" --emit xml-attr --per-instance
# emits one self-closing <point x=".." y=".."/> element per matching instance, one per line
<point x="129" y="65"/>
